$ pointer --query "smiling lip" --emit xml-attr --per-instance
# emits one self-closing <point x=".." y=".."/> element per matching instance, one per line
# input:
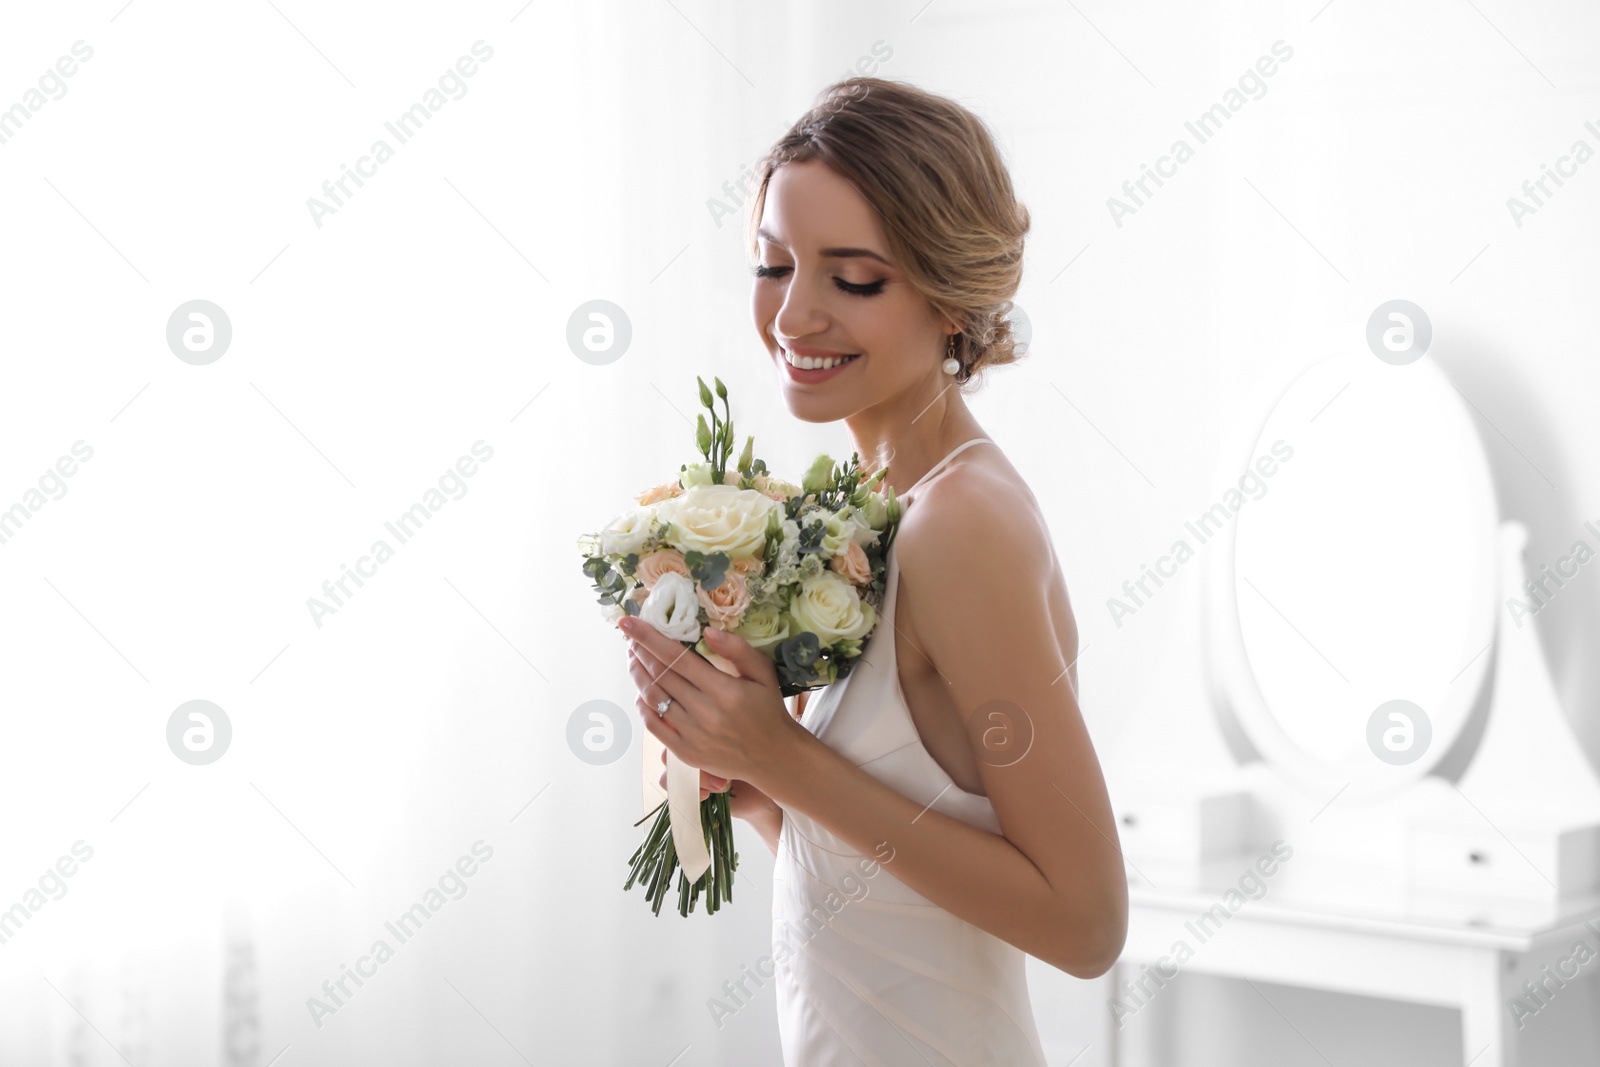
<point x="810" y="377"/>
<point x="815" y="353"/>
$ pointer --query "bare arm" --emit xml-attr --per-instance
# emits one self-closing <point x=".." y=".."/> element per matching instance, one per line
<point x="1054" y="885"/>
<point x="768" y="823"/>
<point x="767" y="818"/>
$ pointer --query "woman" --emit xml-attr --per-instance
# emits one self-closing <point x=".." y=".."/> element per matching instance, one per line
<point x="939" y="811"/>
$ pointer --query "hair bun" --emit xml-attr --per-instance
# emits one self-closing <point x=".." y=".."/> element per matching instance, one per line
<point x="996" y="344"/>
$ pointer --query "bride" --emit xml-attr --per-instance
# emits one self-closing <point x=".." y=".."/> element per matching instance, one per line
<point x="940" y="811"/>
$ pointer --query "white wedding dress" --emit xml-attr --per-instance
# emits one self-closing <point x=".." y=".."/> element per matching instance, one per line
<point x="869" y="971"/>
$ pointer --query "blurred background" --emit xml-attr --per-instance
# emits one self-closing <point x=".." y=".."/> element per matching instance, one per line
<point x="393" y="361"/>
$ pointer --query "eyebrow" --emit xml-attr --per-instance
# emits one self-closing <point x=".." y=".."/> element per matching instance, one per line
<point x="831" y="253"/>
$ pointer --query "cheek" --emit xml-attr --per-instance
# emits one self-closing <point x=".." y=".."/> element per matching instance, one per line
<point x="764" y="306"/>
<point x="885" y="326"/>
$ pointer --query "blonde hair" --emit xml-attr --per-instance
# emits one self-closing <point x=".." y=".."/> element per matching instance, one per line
<point x="931" y="170"/>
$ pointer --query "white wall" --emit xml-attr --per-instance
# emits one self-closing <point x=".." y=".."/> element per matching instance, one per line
<point x="429" y="313"/>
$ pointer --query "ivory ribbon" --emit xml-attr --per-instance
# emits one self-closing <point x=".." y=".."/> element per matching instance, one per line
<point x="683" y="793"/>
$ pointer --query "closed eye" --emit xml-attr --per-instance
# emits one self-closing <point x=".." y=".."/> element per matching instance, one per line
<point x="761" y="270"/>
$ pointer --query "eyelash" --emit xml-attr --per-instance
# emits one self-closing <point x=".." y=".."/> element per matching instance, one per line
<point x="871" y="289"/>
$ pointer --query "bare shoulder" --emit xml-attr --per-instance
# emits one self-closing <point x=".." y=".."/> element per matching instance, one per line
<point x="979" y="501"/>
<point x="1007" y="582"/>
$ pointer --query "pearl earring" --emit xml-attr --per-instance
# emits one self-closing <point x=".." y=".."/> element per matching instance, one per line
<point x="951" y="364"/>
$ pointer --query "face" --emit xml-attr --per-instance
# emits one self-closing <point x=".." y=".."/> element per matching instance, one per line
<point x="826" y="287"/>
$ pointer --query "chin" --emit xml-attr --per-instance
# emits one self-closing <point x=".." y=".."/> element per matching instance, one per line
<point x="806" y="409"/>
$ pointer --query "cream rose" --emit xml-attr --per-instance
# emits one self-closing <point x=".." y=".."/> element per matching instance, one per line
<point x="673" y="608"/>
<point x="719" y="518"/>
<point x="853" y="565"/>
<point x="829" y="607"/>
<point x="728" y="602"/>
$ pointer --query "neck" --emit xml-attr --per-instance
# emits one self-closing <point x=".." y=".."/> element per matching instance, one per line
<point x="912" y="432"/>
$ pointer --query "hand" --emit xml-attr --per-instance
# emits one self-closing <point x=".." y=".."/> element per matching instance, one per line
<point x="730" y="722"/>
<point x="745" y="801"/>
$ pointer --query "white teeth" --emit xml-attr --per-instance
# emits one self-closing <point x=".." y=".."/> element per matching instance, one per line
<point x="808" y="363"/>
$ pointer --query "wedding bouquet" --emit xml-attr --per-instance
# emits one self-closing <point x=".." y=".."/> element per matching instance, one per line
<point x="798" y="571"/>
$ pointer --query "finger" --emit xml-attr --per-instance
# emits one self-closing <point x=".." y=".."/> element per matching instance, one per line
<point x="662" y="683"/>
<point x="676" y="656"/>
<point x="644" y="680"/>
<point x="641" y="673"/>
<point x="662" y="729"/>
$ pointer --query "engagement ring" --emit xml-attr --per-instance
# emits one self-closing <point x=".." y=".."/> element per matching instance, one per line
<point x="661" y="708"/>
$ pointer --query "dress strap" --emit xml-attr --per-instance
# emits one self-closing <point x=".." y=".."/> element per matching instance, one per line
<point x="953" y="453"/>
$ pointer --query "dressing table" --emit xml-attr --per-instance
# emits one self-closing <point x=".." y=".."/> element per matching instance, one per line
<point x="1394" y="730"/>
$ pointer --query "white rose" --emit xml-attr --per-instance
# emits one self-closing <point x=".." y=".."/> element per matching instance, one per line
<point x="627" y="532"/>
<point x="673" y="608"/>
<point x="719" y="518"/>
<point x="829" y="607"/>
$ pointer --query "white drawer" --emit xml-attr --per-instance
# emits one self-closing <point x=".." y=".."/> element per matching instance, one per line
<point x="1512" y="861"/>
<point x="1182" y="827"/>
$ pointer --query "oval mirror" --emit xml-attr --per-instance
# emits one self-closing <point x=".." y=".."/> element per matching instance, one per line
<point x="1353" y="592"/>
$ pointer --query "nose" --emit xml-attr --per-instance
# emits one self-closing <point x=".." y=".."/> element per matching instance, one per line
<point x="801" y="313"/>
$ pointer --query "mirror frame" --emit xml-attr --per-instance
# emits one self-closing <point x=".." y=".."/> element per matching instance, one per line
<point x="1237" y="700"/>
